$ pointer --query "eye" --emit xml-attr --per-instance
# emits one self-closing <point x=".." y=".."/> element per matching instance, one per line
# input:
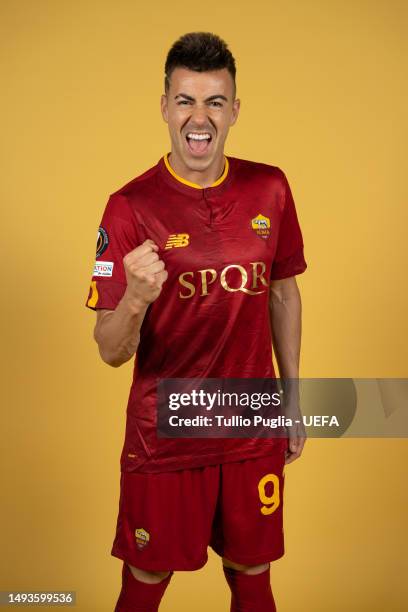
<point x="215" y="103"/>
<point x="182" y="102"/>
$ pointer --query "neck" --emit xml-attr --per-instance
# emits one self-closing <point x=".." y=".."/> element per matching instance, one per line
<point x="204" y="178"/>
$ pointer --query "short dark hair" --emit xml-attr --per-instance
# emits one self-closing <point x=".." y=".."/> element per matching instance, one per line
<point x="200" y="51"/>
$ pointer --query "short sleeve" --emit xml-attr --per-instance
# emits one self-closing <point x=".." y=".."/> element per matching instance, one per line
<point x="117" y="236"/>
<point x="289" y="257"/>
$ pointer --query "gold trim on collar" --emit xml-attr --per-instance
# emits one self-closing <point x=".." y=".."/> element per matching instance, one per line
<point x="189" y="183"/>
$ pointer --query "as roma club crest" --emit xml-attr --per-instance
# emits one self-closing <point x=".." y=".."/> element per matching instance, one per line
<point x="261" y="225"/>
<point x="142" y="538"/>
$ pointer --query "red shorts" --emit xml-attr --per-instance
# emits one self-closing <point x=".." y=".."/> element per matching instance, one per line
<point x="167" y="520"/>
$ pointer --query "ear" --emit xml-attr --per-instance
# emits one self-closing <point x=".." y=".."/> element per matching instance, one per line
<point x="163" y="106"/>
<point x="236" y="105"/>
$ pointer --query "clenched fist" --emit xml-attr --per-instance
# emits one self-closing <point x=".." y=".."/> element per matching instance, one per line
<point x="145" y="272"/>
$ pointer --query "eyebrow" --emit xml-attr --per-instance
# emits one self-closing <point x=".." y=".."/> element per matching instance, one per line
<point x="206" y="100"/>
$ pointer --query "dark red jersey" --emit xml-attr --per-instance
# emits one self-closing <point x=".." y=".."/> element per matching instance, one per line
<point x="221" y="246"/>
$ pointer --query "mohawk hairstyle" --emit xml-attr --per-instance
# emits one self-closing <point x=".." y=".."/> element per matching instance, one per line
<point x="199" y="51"/>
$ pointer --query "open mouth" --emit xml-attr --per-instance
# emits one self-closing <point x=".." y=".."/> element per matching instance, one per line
<point x="198" y="142"/>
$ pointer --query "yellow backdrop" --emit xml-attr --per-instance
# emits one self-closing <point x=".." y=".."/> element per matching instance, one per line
<point x="323" y="90"/>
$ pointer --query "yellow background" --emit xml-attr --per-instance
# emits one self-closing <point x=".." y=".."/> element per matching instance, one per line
<point x="323" y="90"/>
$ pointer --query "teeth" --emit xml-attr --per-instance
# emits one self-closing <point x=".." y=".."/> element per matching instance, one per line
<point x="195" y="136"/>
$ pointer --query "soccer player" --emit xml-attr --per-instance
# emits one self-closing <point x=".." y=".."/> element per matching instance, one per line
<point x="195" y="277"/>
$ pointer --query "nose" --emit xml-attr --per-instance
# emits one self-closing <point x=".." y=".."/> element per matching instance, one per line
<point x="199" y="115"/>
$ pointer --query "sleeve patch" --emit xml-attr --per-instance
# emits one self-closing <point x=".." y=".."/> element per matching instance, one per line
<point x="102" y="241"/>
<point x="103" y="268"/>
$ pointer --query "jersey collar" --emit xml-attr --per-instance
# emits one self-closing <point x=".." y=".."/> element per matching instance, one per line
<point x="190" y="188"/>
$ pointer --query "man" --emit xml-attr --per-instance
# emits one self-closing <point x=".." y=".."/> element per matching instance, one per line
<point x="195" y="275"/>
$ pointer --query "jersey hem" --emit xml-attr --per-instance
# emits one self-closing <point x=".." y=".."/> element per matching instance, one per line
<point x="177" y="463"/>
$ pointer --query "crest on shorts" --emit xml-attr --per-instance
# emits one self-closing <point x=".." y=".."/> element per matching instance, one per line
<point x="142" y="538"/>
<point x="261" y="225"/>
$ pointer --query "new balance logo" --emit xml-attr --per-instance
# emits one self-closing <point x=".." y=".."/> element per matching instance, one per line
<point x="177" y="240"/>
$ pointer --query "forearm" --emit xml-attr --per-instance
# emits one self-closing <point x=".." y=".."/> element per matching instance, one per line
<point x="285" y="310"/>
<point x="118" y="332"/>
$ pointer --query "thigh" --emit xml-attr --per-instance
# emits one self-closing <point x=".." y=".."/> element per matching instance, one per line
<point x="249" y="523"/>
<point x="164" y="520"/>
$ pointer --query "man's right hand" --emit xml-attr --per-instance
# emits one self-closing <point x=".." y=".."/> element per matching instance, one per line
<point x="117" y="332"/>
<point x="145" y="273"/>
